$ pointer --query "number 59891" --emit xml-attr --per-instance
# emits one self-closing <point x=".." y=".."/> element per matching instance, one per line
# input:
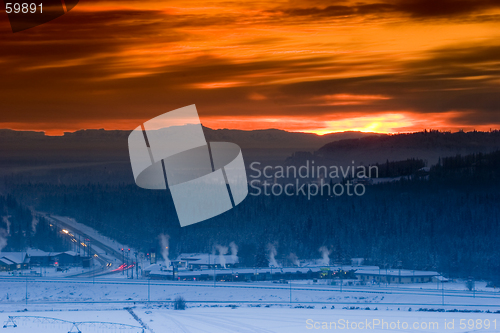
<point x="24" y="8"/>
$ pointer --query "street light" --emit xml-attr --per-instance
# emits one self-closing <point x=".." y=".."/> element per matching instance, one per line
<point x="379" y="276"/>
<point x="386" y="275"/>
<point x="400" y="264"/>
<point x="128" y="254"/>
<point x="92" y="261"/>
<point x="214" y="273"/>
<point x="136" y="267"/>
<point x="123" y="261"/>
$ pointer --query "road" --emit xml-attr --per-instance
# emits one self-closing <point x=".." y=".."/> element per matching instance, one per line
<point x="108" y="261"/>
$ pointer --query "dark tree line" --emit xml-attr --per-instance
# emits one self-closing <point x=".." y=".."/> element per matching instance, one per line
<point x="447" y="220"/>
<point x="399" y="168"/>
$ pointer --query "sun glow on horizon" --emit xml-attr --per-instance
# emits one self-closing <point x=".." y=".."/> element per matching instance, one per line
<point x="387" y="123"/>
<point x="383" y="123"/>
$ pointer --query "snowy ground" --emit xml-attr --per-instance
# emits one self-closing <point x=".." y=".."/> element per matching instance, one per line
<point x="245" y="318"/>
<point x="240" y="307"/>
<point x="13" y="292"/>
<point x="285" y="319"/>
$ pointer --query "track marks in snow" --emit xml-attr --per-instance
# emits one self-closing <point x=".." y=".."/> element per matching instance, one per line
<point x="179" y="327"/>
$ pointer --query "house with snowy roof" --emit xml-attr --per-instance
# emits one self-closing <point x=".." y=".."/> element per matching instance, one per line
<point x="11" y="261"/>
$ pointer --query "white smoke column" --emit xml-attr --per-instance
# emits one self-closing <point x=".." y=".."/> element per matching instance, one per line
<point x="222" y="251"/>
<point x="294" y="259"/>
<point x="7" y="222"/>
<point x="34" y="223"/>
<point x="3" y="239"/>
<point x="4" y="233"/>
<point x="234" y="251"/>
<point x="325" y="254"/>
<point x="164" y="248"/>
<point x="271" y="255"/>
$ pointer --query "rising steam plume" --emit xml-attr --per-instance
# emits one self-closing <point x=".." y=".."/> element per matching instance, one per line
<point x="7" y="223"/>
<point x="234" y="251"/>
<point x="271" y="254"/>
<point x="165" y="248"/>
<point x="3" y="239"/>
<point x="34" y="223"/>
<point x="294" y="259"/>
<point x="4" y="233"/>
<point x="222" y="252"/>
<point x="325" y="253"/>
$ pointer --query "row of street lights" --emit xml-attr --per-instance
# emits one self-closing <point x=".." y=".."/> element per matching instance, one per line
<point x="125" y="259"/>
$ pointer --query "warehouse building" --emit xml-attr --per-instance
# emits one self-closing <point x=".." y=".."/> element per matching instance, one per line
<point x="389" y="276"/>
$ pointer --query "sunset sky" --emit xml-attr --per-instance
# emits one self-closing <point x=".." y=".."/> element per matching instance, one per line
<point x="299" y="65"/>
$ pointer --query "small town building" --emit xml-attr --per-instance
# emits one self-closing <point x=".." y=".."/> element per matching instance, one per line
<point x="388" y="276"/>
<point x="11" y="261"/>
<point x="205" y="261"/>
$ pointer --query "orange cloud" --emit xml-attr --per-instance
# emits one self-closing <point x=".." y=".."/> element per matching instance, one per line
<point x="299" y="65"/>
<point x="217" y="85"/>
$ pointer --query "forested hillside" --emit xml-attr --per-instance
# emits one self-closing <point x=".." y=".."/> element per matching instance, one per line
<point x="427" y="145"/>
<point x="446" y="221"/>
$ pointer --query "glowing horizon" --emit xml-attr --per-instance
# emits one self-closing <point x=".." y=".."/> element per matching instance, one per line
<point x="392" y="123"/>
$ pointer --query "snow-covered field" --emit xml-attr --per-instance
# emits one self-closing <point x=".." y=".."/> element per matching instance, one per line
<point x="13" y="291"/>
<point x="245" y="318"/>
<point x="286" y="319"/>
<point x="241" y="307"/>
